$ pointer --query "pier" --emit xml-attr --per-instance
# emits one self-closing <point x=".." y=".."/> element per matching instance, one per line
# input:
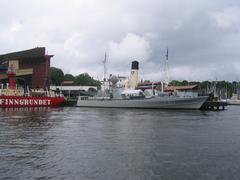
<point x="214" y="105"/>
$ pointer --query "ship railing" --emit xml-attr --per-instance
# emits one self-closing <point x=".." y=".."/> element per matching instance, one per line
<point x="99" y="98"/>
<point x="83" y="98"/>
<point x="11" y="92"/>
<point x="187" y="94"/>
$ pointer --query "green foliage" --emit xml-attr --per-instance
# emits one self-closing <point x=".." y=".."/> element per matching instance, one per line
<point x="224" y="89"/>
<point x="86" y="80"/>
<point x="175" y="83"/>
<point x="68" y="77"/>
<point x="56" y="76"/>
<point x="185" y="83"/>
<point x="205" y="85"/>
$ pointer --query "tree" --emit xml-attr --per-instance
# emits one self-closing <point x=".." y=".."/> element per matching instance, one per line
<point x="185" y="83"/>
<point x="56" y="76"/>
<point x="68" y="77"/>
<point x="86" y="80"/>
<point x="174" y="83"/>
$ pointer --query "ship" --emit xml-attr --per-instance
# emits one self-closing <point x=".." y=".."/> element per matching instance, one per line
<point x="13" y="96"/>
<point x="143" y="102"/>
<point x="136" y="98"/>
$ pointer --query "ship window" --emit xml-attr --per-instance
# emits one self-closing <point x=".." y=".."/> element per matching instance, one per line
<point x="84" y="98"/>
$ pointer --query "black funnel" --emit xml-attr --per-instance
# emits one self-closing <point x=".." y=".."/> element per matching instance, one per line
<point x="135" y="65"/>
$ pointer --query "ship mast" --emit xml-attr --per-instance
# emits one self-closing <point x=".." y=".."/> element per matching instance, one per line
<point x="105" y="73"/>
<point x="166" y="69"/>
<point x="105" y="67"/>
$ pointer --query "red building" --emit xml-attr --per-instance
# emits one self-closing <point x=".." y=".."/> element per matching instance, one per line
<point x="192" y="88"/>
<point x="32" y="67"/>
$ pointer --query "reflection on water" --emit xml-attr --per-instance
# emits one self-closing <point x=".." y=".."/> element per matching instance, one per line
<point x="85" y="143"/>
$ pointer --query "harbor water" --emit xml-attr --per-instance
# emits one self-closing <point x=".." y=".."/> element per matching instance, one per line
<point x="124" y="144"/>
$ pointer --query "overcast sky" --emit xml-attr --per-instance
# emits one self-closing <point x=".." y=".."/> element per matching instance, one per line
<point x="203" y="36"/>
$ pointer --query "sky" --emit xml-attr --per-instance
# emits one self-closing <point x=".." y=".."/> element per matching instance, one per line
<point x="202" y="36"/>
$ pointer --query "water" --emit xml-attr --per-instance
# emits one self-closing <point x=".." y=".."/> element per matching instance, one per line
<point x="126" y="144"/>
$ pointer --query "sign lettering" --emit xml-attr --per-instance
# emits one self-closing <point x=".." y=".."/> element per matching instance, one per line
<point x="25" y="102"/>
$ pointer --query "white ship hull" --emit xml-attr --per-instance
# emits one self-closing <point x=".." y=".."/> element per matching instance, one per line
<point x="145" y="103"/>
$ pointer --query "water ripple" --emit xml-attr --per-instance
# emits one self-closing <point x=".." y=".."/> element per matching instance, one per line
<point x="83" y="143"/>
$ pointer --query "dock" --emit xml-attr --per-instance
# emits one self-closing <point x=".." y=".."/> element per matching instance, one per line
<point x="214" y="105"/>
